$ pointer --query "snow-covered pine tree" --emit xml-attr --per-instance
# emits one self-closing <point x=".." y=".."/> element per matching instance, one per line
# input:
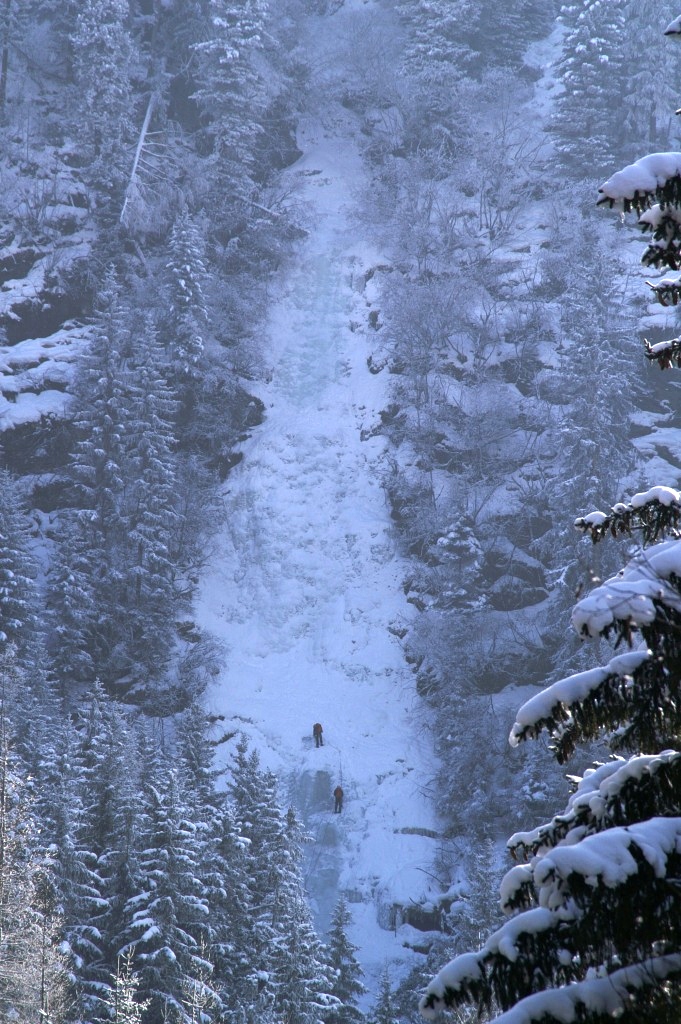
<point x="295" y="979"/>
<point x="231" y="92"/>
<point x="70" y="611"/>
<point x="384" y="1010"/>
<point x="347" y="985"/>
<point x="654" y="86"/>
<point x="188" y="276"/>
<point x="594" y="906"/>
<point x="106" y="758"/>
<point x="436" y="53"/>
<point x="17" y="570"/>
<point x="87" y="583"/>
<point x="303" y="978"/>
<point x="451" y="39"/>
<point x="592" y="72"/>
<point x="15" y="18"/>
<point x="196" y="759"/>
<point x="231" y="933"/>
<point x="112" y="592"/>
<point x="149" y="512"/>
<point x="168" y="917"/>
<point x="123" y="1005"/>
<point x="32" y="978"/>
<point x="104" y="62"/>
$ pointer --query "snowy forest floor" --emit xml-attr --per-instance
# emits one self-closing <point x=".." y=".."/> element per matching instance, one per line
<point x="305" y="581"/>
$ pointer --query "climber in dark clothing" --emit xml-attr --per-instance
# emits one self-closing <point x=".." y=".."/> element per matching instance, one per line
<point x="317" y="733"/>
<point x="338" y="797"/>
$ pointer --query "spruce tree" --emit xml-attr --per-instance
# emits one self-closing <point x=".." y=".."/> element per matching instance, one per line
<point x="347" y="985"/>
<point x="231" y="937"/>
<point x="289" y="959"/>
<point x="17" y="571"/>
<point x="87" y="595"/>
<point x="123" y="1005"/>
<point x="168" y="918"/>
<point x="188" y="277"/>
<point x="384" y="1010"/>
<point x="593" y="74"/>
<point x="231" y="92"/>
<point x="104" y="64"/>
<point x="149" y="512"/>
<point x="32" y="976"/>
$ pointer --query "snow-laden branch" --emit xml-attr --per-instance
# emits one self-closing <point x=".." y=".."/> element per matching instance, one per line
<point x="667" y="290"/>
<point x="632" y="598"/>
<point x="664" y="222"/>
<point x="665" y="353"/>
<point x="656" y="177"/>
<point x="609" y="995"/>
<point x="555" y="705"/>
<point x="655" y="512"/>
<point x="610" y="794"/>
<point x="536" y="945"/>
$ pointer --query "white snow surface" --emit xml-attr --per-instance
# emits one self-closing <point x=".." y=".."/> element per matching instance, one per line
<point x="305" y="580"/>
<point x="28" y="368"/>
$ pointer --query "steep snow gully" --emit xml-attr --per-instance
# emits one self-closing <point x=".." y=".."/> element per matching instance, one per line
<point x="304" y="583"/>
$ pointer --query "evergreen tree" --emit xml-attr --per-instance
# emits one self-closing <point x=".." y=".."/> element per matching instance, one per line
<point x="168" y="918"/>
<point x="231" y="92"/>
<point x="123" y="1004"/>
<point x="653" y="88"/>
<point x="231" y="938"/>
<point x="17" y="571"/>
<point x="149" y="512"/>
<point x="593" y="930"/>
<point x="347" y="986"/>
<point x="188" y="276"/>
<point x="384" y="1011"/>
<point x="104" y="64"/>
<point x="589" y="132"/>
<point x="71" y="610"/>
<point x="288" y="956"/>
<point x="195" y="756"/>
<point x="86" y="594"/>
<point x="32" y="978"/>
<point x="112" y="593"/>
<point x="303" y="979"/>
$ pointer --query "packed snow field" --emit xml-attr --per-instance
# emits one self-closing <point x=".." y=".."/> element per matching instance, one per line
<point x="304" y="584"/>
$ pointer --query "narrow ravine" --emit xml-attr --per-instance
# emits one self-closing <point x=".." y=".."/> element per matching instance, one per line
<point x="304" y="586"/>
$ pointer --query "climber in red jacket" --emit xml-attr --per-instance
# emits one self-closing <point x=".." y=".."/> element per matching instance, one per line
<point x="317" y="733"/>
<point x="338" y="798"/>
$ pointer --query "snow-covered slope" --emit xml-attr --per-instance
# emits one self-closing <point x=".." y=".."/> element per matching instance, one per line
<point x="304" y="584"/>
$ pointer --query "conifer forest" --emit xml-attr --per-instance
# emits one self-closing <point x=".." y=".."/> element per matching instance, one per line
<point x="340" y="511"/>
